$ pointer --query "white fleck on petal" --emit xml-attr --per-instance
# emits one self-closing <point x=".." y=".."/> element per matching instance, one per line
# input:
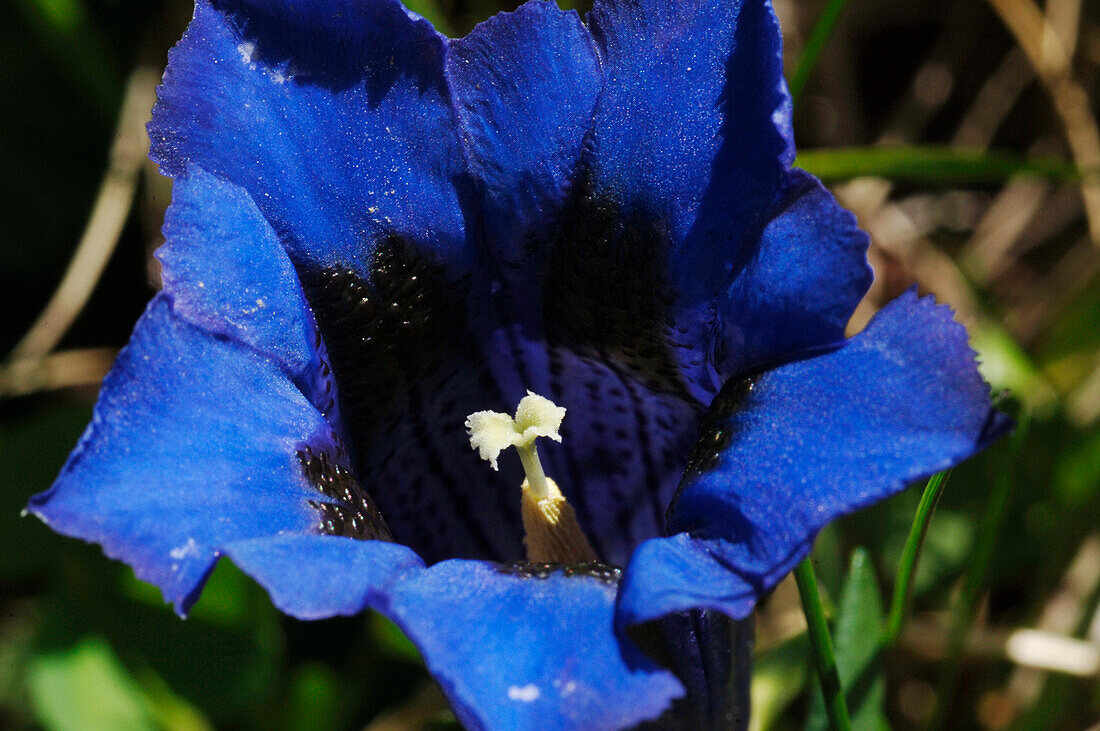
<point x="525" y="694"/>
<point x="188" y="549"/>
<point x="246" y="50"/>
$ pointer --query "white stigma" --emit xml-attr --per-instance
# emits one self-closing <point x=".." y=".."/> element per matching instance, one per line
<point x="491" y="432"/>
<point x="552" y="533"/>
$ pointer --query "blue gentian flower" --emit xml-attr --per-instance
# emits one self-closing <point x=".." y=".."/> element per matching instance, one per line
<point x="377" y="231"/>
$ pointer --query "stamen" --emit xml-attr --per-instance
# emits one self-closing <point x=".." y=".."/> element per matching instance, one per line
<point x="553" y="534"/>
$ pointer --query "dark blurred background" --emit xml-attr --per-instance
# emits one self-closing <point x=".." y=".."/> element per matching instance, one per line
<point x="963" y="134"/>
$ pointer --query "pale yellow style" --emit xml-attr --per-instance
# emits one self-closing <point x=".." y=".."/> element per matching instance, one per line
<point x="552" y="532"/>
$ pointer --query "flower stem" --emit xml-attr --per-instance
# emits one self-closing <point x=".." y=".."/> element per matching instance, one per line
<point x="836" y="707"/>
<point x="907" y="568"/>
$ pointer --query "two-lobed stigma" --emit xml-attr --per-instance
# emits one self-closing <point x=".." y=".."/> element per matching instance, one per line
<point x="552" y="533"/>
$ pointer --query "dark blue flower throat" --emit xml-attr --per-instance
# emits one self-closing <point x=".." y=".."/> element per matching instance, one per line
<point x="409" y="372"/>
<point x="605" y="291"/>
<point x="408" y="351"/>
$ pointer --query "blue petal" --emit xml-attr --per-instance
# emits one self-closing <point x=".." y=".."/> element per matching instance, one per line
<point x="512" y="647"/>
<point x="315" y="577"/>
<point x="801" y="285"/>
<point x="693" y="126"/>
<point x="517" y="651"/>
<point x="193" y="445"/>
<point x="794" y="448"/>
<point x="228" y="274"/>
<point x="674" y="574"/>
<point x="685" y="163"/>
<point x="525" y="84"/>
<point x="338" y="122"/>
<point x="335" y="117"/>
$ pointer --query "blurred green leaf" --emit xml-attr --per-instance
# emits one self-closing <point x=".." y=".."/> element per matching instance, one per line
<point x="16" y="647"/>
<point x="231" y="672"/>
<point x="63" y="15"/>
<point x="433" y="13"/>
<point x="828" y="556"/>
<point x="445" y="721"/>
<point x="313" y="699"/>
<point x="778" y="676"/>
<point x="392" y="641"/>
<point x="169" y="710"/>
<point x="857" y="638"/>
<point x="948" y="543"/>
<point x="85" y="688"/>
<point x="228" y="598"/>
<point x="929" y="165"/>
<point x="1077" y="473"/>
<point x="1068" y="349"/>
<point x="1007" y="366"/>
<point x="964" y="603"/>
<point x="79" y="48"/>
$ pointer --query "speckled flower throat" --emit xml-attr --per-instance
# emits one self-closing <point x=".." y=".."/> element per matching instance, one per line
<point x="420" y="344"/>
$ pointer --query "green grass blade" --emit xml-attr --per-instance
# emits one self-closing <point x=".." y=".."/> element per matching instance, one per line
<point x="931" y="165"/>
<point x="815" y="44"/>
<point x="907" y="568"/>
<point x="836" y="708"/>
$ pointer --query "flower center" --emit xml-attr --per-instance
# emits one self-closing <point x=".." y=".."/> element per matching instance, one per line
<point x="552" y="533"/>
